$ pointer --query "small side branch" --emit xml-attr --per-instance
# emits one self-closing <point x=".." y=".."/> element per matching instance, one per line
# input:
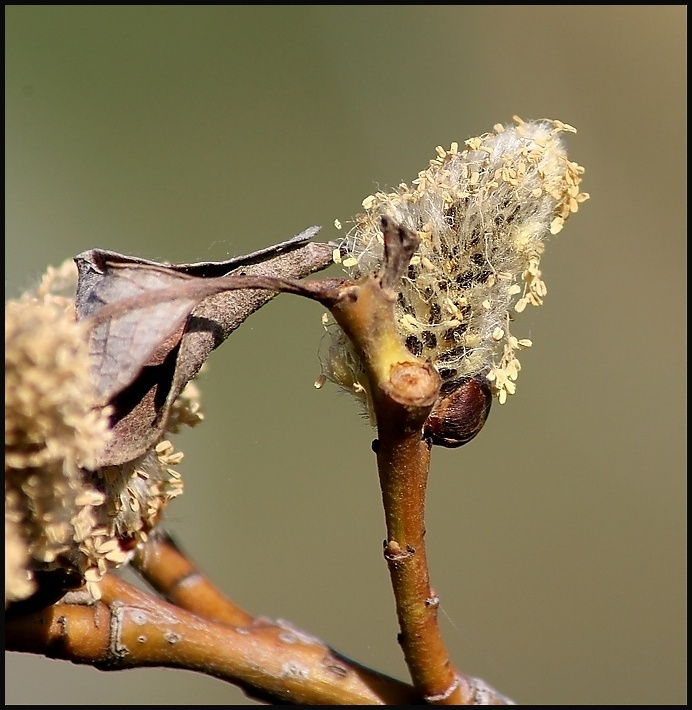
<point x="172" y="574"/>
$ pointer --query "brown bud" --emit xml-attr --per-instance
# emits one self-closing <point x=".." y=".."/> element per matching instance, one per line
<point x="460" y="413"/>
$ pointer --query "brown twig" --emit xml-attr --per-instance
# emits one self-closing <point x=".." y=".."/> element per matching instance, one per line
<point x="172" y="574"/>
<point x="270" y="661"/>
<point x="404" y="390"/>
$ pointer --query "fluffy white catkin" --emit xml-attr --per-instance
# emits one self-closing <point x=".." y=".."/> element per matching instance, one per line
<point x="482" y="215"/>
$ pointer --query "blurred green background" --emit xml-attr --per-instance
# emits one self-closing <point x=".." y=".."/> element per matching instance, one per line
<point x="557" y="539"/>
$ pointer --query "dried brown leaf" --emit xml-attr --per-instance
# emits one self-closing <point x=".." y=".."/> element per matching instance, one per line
<point x="153" y="325"/>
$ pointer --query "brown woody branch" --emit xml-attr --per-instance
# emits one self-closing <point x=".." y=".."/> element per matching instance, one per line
<point x="270" y="661"/>
<point x="404" y="390"/>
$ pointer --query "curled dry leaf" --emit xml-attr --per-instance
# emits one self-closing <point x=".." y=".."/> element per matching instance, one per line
<point x="154" y="325"/>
